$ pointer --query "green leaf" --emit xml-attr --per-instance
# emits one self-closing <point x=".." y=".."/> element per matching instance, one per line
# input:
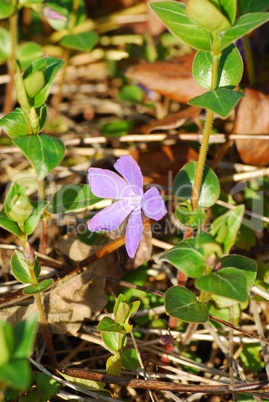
<point x="208" y="15"/>
<point x="251" y="358"/>
<point x="24" y="337"/>
<point x="224" y="229"/>
<point x="5" y="43"/>
<point x="184" y="180"/>
<point x="115" y="128"/>
<point x="6" y="9"/>
<point x="43" y="285"/>
<point x="9" y="225"/>
<point x="84" y="383"/>
<point x="230" y="68"/>
<point x="253" y="6"/>
<point x="186" y="257"/>
<point x="192" y="219"/>
<point x="31" y="223"/>
<point x="83" y="41"/>
<point x="129" y="359"/>
<point x="131" y="93"/>
<point x="71" y="198"/>
<point x="181" y="303"/>
<point x="38" y="78"/>
<point x="15" y="124"/>
<point x="43" y="151"/>
<point x="228" y="282"/>
<point x="113" y="340"/>
<point x="6" y="342"/>
<point x="20" y="268"/>
<point x="29" y="52"/>
<point x="245" y="264"/>
<point x="113" y="365"/>
<point x="174" y="17"/>
<point x="221" y="101"/>
<point x="16" y="374"/>
<point x="47" y="385"/>
<point x="107" y="324"/>
<point x="243" y="25"/>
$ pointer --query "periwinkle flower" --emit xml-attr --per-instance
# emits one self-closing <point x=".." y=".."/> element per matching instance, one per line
<point x="130" y="201"/>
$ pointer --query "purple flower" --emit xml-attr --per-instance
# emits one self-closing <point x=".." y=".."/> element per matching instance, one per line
<point x="49" y="13"/>
<point x="130" y="200"/>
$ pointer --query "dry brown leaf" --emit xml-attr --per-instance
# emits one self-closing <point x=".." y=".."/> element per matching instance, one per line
<point x="172" y="79"/>
<point x="253" y="118"/>
<point x="174" y="120"/>
<point x="160" y="165"/>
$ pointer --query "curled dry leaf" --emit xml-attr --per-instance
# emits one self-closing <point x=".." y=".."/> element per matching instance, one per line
<point x="253" y="118"/>
<point x="172" y="79"/>
<point x="174" y="120"/>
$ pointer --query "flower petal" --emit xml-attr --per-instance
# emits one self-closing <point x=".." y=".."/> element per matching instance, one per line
<point x="134" y="232"/>
<point x="107" y="184"/>
<point x="129" y="169"/>
<point x="153" y="205"/>
<point x="110" y="217"/>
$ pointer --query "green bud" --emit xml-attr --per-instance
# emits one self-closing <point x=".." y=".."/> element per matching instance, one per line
<point x="20" y="208"/>
<point x="208" y="15"/>
<point x="34" y="82"/>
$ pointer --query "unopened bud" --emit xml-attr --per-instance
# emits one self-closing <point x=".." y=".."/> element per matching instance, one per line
<point x="21" y="208"/>
<point x="29" y="254"/>
<point x="166" y="340"/>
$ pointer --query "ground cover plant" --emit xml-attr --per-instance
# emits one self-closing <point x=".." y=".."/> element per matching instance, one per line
<point x="142" y="255"/>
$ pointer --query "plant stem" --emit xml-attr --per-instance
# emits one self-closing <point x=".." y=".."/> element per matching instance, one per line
<point x="249" y="60"/>
<point x="206" y="135"/>
<point x="30" y="259"/>
<point x="44" y="221"/>
<point x="13" y="27"/>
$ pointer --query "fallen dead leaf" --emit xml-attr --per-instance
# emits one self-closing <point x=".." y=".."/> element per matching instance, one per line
<point x="172" y="79"/>
<point x="253" y="118"/>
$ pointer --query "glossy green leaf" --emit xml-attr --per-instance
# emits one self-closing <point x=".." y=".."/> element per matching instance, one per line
<point x="107" y="324"/>
<point x="183" y="185"/>
<point x="186" y="257"/>
<point x="71" y="198"/>
<point x="208" y="15"/>
<point x="24" y="336"/>
<point x="29" y="52"/>
<point x="115" y="128"/>
<point x="230" y="68"/>
<point x="174" y="16"/>
<point x="129" y="359"/>
<point x="224" y="229"/>
<point x="253" y="6"/>
<point x="43" y="151"/>
<point x="244" y="25"/>
<point x="181" y="303"/>
<point x="83" y="41"/>
<point x="38" y="78"/>
<point x="20" y="268"/>
<point x="5" y="43"/>
<point x="15" y="124"/>
<point x="43" y="285"/>
<point x="31" y="223"/>
<point x="16" y="374"/>
<point x="112" y="340"/>
<point x="242" y="263"/>
<point x="221" y="101"/>
<point x="9" y="225"/>
<point x="7" y="9"/>
<point x="228" y="282"/>
<point x="192" y="219"/>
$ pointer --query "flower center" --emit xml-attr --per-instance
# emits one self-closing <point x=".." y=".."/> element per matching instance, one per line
<point x="135" y="201"/>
